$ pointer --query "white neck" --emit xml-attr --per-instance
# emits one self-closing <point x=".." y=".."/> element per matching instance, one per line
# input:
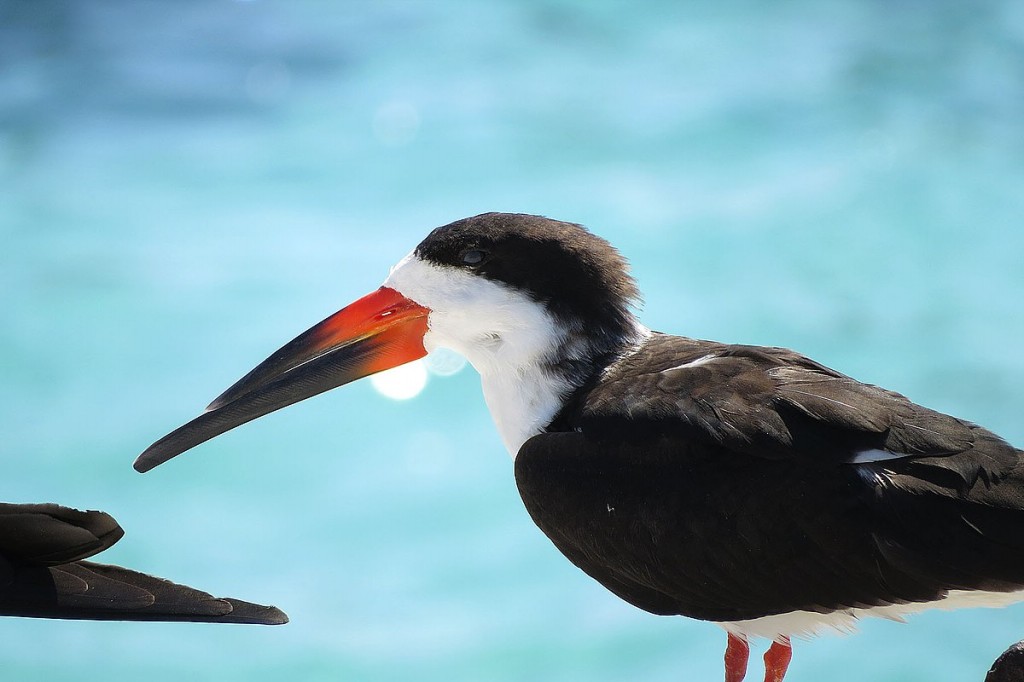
<point x="504" y="334"/>
<point x="511" y="340"/>
<point x="522" y="402"/>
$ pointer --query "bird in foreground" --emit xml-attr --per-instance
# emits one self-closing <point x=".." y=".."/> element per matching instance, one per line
<point x="43" y="575"/>
<point x="743" y="485"/>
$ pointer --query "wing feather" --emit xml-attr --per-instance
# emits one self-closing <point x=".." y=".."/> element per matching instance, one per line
<point x="775" y="403"/>
<point x="42" y="574"/>
<point x="732" y="482"/>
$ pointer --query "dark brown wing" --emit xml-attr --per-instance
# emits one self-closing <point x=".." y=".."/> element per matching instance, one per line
<point x="49" y="534"/>
<point x="777" y="404"/>
<point x="728" y="483"/>
<point x="42" y="574"/>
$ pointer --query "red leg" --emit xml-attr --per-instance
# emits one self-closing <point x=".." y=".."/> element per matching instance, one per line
<point x="776" y="660"/>
<point x="736" y="654"/>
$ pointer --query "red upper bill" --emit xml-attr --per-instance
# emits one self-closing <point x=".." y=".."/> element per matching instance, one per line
<point x="379" y="331"/>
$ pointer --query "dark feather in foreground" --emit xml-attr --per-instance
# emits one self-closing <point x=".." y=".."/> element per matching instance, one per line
<point x="43" y="575"/>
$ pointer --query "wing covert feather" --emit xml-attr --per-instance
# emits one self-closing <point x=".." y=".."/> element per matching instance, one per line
<point x="778" y="404"/>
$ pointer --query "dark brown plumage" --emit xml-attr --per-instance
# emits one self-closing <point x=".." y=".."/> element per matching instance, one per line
<point x="734" y="482"/>
<point x="1009" y="667"/>
<point x="43" y="574"/>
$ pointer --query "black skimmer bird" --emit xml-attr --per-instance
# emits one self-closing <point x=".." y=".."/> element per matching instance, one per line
<point x="748" y="486"/>
<point x="43" y="575"/>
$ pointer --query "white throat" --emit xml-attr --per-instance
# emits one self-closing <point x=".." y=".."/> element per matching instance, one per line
<point x="507" y="336"/>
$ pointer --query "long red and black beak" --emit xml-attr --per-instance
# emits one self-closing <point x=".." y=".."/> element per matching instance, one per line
<point x="379" y="331"/>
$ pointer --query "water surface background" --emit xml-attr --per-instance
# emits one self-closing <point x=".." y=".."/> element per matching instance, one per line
<point x="186" y="185"/>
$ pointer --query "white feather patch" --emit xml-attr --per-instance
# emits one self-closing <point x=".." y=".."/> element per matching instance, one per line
<point x="702" y="360"/>
<point x="806" y="624"/>
<point x="502" y="332"/>
<point x="874" y="455"/>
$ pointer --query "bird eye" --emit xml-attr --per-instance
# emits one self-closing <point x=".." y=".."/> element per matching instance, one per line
<point x="473" y="257"/>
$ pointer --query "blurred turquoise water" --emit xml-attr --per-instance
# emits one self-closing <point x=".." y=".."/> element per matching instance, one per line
<point x="184" y="186"/>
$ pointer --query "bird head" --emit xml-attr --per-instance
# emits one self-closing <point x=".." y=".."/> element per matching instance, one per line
<point x="504" y="290"/>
